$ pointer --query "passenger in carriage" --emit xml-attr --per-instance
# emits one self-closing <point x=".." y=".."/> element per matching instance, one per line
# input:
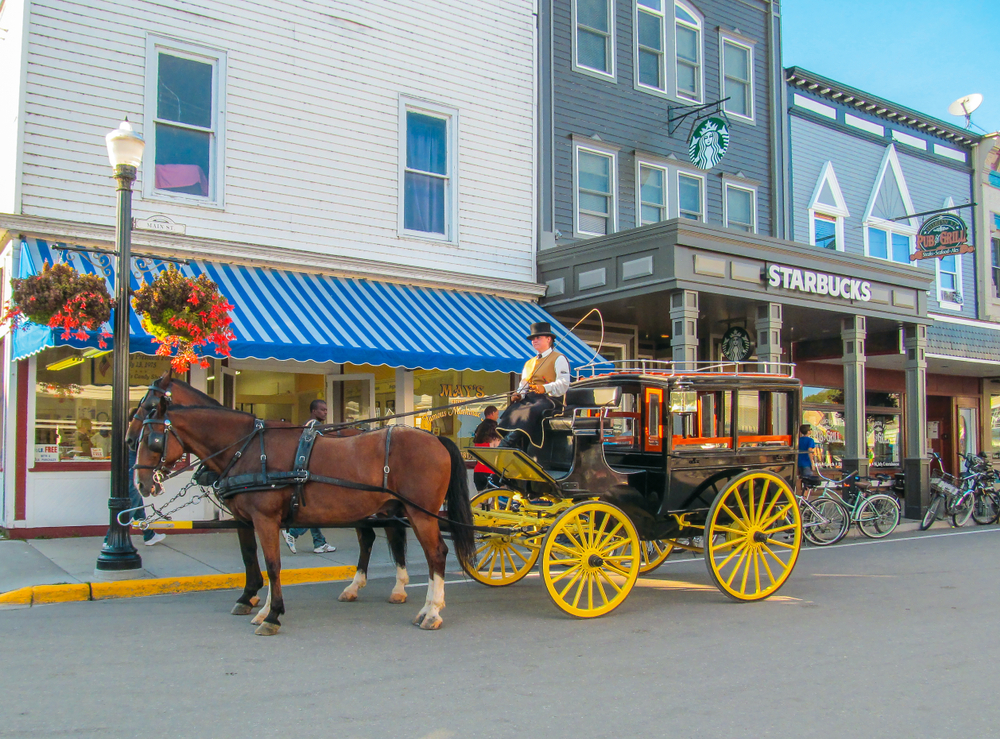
<point x="544" y="381"/>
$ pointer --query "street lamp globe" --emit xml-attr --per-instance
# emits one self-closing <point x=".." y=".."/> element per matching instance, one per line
<point x="124" y="146"/>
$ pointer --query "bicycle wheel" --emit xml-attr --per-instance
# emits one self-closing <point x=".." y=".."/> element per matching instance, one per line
<point x="962" y="511"/>
<point x="986" y="507"/>
<point x="825" y="521"/>
<point x="878" y="516"/>
<point x="933" y="513"/>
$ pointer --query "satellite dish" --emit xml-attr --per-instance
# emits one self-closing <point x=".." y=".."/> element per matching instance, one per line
<point x="965" y="105"/>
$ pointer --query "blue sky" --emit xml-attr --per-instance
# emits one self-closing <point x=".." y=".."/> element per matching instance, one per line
<point x="917" y="53"/>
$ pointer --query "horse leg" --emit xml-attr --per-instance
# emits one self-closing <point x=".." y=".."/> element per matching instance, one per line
<point x="275" y="606"/>
<point x="366" y="538"/>
<point x="428" y="533"/>
<point x="254" y="581"/>
<point x="397" y="546"/>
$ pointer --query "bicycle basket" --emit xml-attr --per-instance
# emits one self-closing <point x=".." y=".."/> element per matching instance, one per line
<point x="944" y="484"/>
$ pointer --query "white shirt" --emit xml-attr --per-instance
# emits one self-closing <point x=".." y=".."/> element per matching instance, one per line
<point x="558" y="387"/>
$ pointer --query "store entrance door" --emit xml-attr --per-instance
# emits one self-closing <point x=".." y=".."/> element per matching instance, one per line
<point x="351" y="397"/>
<point x="940" y="436"/>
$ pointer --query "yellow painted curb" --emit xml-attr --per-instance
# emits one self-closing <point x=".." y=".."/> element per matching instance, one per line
<point x="19" y="597"/>
<point x="60" y="593"/>
<point x="197" y="583"/>
<point x="162" y="586"/>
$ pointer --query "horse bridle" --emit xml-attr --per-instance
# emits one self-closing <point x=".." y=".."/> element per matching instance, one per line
<point x="156" y="441"/>
<point x="147" y="405"/>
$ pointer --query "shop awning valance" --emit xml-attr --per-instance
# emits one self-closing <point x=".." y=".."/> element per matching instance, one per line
<point x="281" y="314"/>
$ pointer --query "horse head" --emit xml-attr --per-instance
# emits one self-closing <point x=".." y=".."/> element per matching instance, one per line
<point x="156" y="399"/>
<point x="157" y="449"/>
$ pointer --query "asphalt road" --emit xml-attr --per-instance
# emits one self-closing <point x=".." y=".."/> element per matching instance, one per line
<point x="888" y="639"/>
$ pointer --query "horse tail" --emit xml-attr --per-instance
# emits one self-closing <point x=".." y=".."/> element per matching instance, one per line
<point x="459" y="507"/>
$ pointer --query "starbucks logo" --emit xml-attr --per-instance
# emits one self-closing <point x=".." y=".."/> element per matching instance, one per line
<point x="736" y="344"/>
<point x="709" y="142"/>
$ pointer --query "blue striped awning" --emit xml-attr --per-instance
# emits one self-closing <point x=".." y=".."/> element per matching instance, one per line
<point x="280" y="314"/>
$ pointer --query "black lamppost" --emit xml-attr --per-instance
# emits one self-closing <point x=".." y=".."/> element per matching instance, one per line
<point x="125" y="152"/>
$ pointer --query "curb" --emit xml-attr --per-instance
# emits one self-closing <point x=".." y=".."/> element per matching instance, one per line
<point x="42" y="594"/>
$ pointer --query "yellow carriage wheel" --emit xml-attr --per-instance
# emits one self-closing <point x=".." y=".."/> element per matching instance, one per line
<point x="654" y="553"/>
<point x="753" y="534"/>
<point x="590" y="559"/>
<point x="500" y="560"/>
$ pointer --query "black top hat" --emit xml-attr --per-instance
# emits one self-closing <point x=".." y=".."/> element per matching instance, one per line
<point x="542" y="328"/>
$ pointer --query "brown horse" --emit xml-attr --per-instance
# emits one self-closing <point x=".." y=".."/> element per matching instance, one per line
<point x="423" y="470"/>
<point x="177" y="391"/>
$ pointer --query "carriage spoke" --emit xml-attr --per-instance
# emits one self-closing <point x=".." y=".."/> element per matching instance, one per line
<point x="763" y="497"/>
<point x="770" y="506"/>
<point x="756" y="568"/>
<point x="778" y="515"/>
<point x="767" y="567"/>
<point x="751" y="504"/>
<point x="777" y="559"/>
<point x="781" y="544"/>
<point x="600" y="586"/>
<point x="746" y="570"/>
<point x="567" y="571"/>
<point x="739" y="502"/>
<point x="736" y="519"/>
<point x="728" y="544"/>
<point x="610" y="536"/>
<point x="610" y="581"/>
<point x="778" y="530"/>
<point x="577" y="576"/>
<point x="584" y="578"/>
<point x="736" y="569"/>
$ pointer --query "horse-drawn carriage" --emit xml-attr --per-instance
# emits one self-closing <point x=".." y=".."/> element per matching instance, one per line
<point x="643" y="460"/>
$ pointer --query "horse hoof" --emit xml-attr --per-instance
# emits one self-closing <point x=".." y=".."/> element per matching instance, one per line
<point x="241" y="609"/>
<point x="267" y="629"/>
<point x="258" y="619"/>
<point x="397" y="598"/>
<point x="254" y="602"/>
<point x="431" y="623"/>
<point x="346" y="597"/>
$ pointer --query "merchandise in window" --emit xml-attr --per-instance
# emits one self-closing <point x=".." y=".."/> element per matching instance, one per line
<point x="73" y="401"/>
<point x="185" y="125"/>
<point x="593" y="35"/>
<point x="426" y="181"/>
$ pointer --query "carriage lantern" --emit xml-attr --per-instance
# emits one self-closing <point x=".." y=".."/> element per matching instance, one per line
<point x="125" y="153"/>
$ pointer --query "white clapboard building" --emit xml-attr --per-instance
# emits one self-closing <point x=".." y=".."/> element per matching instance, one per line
<point x="359" y="178"/>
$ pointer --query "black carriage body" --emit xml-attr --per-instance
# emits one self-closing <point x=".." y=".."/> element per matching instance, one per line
<point x="659" y="446"/>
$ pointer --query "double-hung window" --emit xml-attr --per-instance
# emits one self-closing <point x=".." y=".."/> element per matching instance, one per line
<point x="650" y="37"/>
<point x="652" y="194"/>
<point x="737" y="76"/>
<point x="595" y="192"/>
<point x="428" y="170"/>
<point x="687" y="42"/>
<point x="691" y="196"/>
<point x="741" y="208"/>
<point x="949" y="282"/>
<point x="184" y="91"/>
<point x="594" y="36"/>
<point x="996" y="267"/>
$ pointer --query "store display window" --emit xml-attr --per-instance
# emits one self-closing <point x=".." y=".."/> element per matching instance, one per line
<point x="823" y="409"/>
<point x="73" y="402"/>
<point x="437" y="388"/>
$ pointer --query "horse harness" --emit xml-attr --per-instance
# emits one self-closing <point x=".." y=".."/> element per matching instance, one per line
<point x="227" y="486"/>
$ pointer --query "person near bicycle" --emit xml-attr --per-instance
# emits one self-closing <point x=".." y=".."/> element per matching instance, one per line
<point x="808" y="452"/>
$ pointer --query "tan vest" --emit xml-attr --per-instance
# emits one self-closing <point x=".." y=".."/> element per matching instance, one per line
<point x="542" y="371"/>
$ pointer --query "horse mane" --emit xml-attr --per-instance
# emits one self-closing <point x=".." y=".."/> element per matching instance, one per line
<point x="209" y="401"/>
<point x="217" y="407"/>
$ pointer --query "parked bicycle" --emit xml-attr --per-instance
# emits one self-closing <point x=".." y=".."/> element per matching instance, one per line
<point x="875" y="513"/>
<point x="824" y="520"/>
<point x="970" y="496"/>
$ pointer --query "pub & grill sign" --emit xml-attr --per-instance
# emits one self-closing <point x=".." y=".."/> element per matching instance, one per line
<point x="942" y="236"/>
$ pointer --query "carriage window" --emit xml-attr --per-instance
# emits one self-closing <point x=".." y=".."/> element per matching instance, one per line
<point x="622" y="423"/>
<point x="709" y="427"/>
<point x="764" y="419"/>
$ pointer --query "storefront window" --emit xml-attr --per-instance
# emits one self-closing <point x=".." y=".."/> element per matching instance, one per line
<point x="995" y="420"/>
<point x="436" y="388"/>
<point x="823" y="409"/>
<point x="277" y="396"/>
<point x="73" y="401"/>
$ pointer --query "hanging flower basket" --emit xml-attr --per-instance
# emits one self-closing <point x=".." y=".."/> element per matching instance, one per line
<point x="184" y="314"/>
<point x="60" y="297"/>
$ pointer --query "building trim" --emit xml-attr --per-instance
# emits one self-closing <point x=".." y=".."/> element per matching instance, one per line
<point x="193" y="247"/>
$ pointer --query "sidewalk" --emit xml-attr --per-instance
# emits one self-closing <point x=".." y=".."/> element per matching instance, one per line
<point x="188" y="562"/>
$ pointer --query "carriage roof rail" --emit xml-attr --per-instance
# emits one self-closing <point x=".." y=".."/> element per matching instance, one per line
<point x="670" y="368"/>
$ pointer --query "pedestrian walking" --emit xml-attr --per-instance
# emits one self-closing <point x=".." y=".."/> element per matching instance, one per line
<point x="485" y="436"/>
<point x="317" y="414"/>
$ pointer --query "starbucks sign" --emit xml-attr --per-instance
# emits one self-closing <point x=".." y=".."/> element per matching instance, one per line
<point x="736" y="344"/>
<point x="942" y="236"/>
<point x="708" y="143"/>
